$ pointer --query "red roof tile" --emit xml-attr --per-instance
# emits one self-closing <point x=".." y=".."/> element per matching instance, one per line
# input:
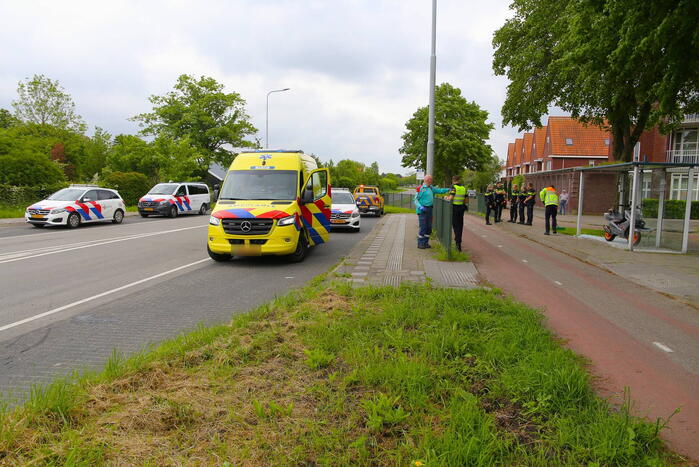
<point x="518" y="151"/>
<point x="527" y="149"/>
<point x="510" y="154"/>
<point x="586" y="140"/>
<point x="539" y="143"/>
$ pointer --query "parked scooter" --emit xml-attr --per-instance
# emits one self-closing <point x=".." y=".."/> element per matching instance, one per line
<point x="618" y="225"/>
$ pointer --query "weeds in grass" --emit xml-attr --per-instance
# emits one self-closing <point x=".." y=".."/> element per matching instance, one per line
<point x="317" y="358"/>
<point x="419" y="376"/>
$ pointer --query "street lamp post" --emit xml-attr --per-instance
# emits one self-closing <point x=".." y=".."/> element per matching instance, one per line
<point x="433" y="66"/>
<point x="267" y="116"/>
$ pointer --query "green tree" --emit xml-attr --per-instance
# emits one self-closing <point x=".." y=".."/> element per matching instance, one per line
<point x="130" y="153"/>
<point x="461" y="131"/>
<point x="624" y="64"/>
<point x="479" y="180"/>
<point x="130" y="185"/>
<point x="179" y="160"/>
<point x="200" y="111"/>
<point x="7" y="119"/>
<point x="97" y="148"/>
<point x="44" y="101"/>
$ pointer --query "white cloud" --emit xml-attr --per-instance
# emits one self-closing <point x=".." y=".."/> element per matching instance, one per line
<point x="358" y="69"/>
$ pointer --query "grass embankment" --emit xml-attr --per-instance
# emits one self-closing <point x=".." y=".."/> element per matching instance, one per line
<point x="573" y="231"/>
<point x="397" y="210"/>
<point x="10" y="212"/>
<point x="367" y="376"/>
<point x="440" y="253"/>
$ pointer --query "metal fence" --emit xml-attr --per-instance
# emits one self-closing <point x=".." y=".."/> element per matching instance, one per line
<point x="401" y="200"/>
<point x="442" y="223"/>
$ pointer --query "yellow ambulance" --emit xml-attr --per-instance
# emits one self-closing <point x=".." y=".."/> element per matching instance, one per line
<point x="271" y="203"/>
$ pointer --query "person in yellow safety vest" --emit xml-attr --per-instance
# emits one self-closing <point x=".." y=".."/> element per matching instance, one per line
<point x="457" y="195"/>
<point x="549" y="197"/>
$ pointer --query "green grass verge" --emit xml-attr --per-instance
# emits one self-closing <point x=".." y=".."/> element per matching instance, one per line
<point x="397" y="210"/>
<point x="9" y="212"/>
<point x="341" y="376"/>
<point x="440" y="253"/>
<point x="131" y="208"/>
<point x="573" y="231"/>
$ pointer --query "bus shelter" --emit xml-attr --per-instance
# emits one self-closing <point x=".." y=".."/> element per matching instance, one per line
<point x="665" y="194"/>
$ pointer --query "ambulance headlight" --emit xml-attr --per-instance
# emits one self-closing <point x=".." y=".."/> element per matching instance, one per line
<point x="214" y="220"/>
<point x="355" y="213"/>
<point x="58" y="211"/>
<point x="286" y="221"/>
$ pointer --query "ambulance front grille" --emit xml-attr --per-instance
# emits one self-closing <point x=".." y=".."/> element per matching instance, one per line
<point x="241" y="226"/>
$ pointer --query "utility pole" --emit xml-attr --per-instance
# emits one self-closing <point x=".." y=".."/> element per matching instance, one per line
<point x="267" y="116"/>
<point x="433" y="67"/>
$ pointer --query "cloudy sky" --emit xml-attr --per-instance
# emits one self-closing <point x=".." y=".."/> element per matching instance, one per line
<point x="357" y="69"/>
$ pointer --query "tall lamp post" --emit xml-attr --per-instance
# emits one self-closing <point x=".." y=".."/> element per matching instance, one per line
<point x="267" y="116"/>
<point x="433" y="65"/>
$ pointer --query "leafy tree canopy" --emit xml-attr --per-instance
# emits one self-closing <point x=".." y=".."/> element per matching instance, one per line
<point x="619" y="63"/>
<point x="7" y="119"/>
<point x="43" y="101"/>
<point x="199" y="111"/>
<point x="479" y="180"/>
<point x="461" y="131"/>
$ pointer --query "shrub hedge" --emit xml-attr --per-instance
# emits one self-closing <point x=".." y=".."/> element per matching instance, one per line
<point x="24" y="195"/>
<point x="674" y="208"/>
<point x="131" y="185"/>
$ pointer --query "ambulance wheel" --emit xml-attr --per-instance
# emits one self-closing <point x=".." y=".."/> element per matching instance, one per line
<point x="301" y="249"/>
<point x="220" y="257"/>
<point x="73" y="220"/>
<point x="173" y="212"/>
<point x="381" y="212"/>
<point x="118" y="216"/>
<point x="203" y="209"/>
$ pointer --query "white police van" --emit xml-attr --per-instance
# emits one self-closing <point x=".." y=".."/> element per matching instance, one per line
<point x="75" y="205"/>
<point x="171" y="199"/>
<point x="344" y="211"/>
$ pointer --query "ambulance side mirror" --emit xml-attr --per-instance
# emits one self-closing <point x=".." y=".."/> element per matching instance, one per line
<point x="307" y="196"/>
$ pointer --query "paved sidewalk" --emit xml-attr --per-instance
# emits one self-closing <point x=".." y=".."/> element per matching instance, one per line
<point x="389" y="256"/>
<point x="672" y="274"/>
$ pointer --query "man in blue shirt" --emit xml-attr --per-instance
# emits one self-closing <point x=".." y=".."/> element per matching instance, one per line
<point x="424" y="199"/>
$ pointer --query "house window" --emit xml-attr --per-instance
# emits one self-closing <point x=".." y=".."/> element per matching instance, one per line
<point x="678" y="187"/>
<point x="686" y="142"/>
<point x="548" y="140"/>
<point x="548" y="165"/>
<point x="569" y="141"/>
<point x="606" y="141"/>
<point x="646" y="185"/>
<point x="592" y="162"/>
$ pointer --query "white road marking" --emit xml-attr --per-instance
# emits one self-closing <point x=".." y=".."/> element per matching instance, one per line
<point x="525" y="261"/>
<point x="499" y="246"/>
<point x="99" y="243"/>
<point x="289" y="277"/>
<point x="95" y="297"/>
<point x="558" y="283"/>
<point x="662" y="347"/>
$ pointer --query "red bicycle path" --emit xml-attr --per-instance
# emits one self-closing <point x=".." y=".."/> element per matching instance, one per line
<point x="600" y="316"/>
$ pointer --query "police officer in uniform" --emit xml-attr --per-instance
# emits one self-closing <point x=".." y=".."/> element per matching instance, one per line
<point x="529" y="202"/>
<point x="514" y="203"/>
<point x="489" y="204"/>
<point x="522" y="203"/>
<point x="500" y="201"/>
<point x="457" y="195"/>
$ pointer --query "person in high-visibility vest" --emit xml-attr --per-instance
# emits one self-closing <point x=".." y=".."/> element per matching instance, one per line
<point x="549" y="197"/>
<point x="457" y="195"/>
<point x="514" y="203"/>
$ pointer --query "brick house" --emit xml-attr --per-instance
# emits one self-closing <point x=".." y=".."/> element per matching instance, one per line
<point x="517" y="159"/>
<point x="527" y="141"/>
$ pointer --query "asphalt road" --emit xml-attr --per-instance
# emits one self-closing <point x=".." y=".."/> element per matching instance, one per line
<point x="633" y="337"/>
<point x="70" y="297"/>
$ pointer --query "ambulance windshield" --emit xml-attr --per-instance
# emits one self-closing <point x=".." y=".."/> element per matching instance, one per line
<point x="260" y="185"/>
<point x="67" y="194"/>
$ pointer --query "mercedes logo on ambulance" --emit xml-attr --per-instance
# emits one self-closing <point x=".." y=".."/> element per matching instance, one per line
<point x="246" y="226"/>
